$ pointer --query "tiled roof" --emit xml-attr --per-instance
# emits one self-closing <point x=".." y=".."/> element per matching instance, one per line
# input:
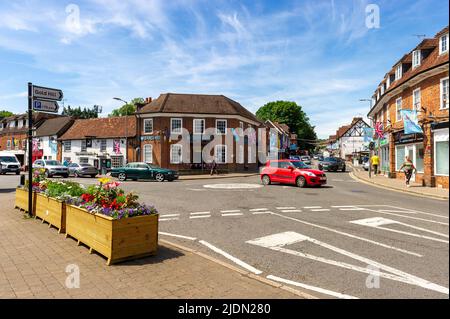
<point x="108" y="127"/>
<point x="38" y="119"/>
<point x="341" y="131"/>
<point x="196" y="103"/>
<point x="56" y="126"/>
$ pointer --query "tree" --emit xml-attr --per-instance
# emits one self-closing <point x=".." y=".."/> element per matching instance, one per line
<point x="127" y="109"/>
<point x="4" y="114"/>
<point x="78" y="113"/>
<point x="291" y="114"/>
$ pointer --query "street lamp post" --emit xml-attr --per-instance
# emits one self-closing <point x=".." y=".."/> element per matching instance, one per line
<point x="126" y="127"/>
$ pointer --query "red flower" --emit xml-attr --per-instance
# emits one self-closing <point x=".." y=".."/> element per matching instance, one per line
<point x="87" y="197"/>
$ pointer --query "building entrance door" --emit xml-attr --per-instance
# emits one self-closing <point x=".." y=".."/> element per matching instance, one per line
<point x="410" y="152"/>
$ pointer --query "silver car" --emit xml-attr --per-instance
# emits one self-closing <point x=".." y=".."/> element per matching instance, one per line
<point x="52" y="168"/>
<point x="80" y="170"/>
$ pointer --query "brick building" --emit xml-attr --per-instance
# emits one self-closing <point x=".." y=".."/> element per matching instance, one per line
<point x="209" y="124"/>
<point x="418" y="81"/>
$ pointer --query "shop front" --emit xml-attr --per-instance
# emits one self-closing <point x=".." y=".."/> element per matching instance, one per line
<point x="440" y="133"/>
<point x="383" y="145"/>
<point x="410" y="145"/>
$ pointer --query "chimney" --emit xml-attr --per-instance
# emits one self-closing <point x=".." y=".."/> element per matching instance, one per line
<point x="148" y="100"/>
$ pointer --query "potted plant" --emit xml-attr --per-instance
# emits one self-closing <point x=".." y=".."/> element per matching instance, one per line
<point x="113" y="223"/>
<point x="21" y="201"/>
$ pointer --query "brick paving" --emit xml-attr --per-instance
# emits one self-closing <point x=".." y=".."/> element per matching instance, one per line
<point x="399" y="184"/>
<point x="34" y="257"/>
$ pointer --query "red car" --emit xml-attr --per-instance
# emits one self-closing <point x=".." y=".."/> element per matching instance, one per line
<point x="291" y="172"/>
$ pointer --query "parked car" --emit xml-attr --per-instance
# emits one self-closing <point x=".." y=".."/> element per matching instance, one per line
<point x="291" y="172"/>
<point x="332" y="164"/>
<point x="52" y="168"/>
<point x="306" y="159"/>
<point x="9" y="163"/>
<point x="141" y="170"/>
<point x="366" y="165"/>
<point x="80" y="170"/>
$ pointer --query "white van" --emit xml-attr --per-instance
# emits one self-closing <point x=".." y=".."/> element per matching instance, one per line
<point x="9" y="163"/>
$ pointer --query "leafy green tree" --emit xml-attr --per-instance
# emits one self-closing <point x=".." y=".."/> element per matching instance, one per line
<point x="291" y="114"/>
<point x="4" y="114"/>
<point x="78" y="113"/>
<point x="127" y="109"/>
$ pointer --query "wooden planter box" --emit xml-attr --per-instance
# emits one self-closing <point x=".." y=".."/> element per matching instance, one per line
<point x="116" y="239"/>
<point x="21" y="201"/>
<point x="52" y="211"/>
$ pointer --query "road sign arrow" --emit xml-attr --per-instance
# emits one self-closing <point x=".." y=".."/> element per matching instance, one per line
<point x="45" y="106"/>
<point x="41" y="92"/>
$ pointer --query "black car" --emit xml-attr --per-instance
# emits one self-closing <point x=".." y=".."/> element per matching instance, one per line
<point x="332" y="164"/>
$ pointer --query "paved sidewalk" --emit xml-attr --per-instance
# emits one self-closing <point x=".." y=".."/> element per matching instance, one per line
<point x="399" y="185"/>
<point x="33" y="261"/>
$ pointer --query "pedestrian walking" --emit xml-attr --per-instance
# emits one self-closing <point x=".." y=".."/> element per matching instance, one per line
<point x="214" y="167"/>
<point x="408" y="167"/>
<point x="375" y="161"/>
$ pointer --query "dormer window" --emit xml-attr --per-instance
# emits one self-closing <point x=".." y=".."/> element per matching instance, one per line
<point x="398" y="72"/>
<point x="416" y="58"/>
<point x="388" y="82"/>
<point x="443" y="44"/>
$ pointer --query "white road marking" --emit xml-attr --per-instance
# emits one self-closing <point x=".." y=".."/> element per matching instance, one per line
<point x="352" y="206"/>
<point x="337" y="180"/>
<point x="291" y="211"/>
<point x="232" y="258"/>
<point x="200" y="216"/>
<point x="262" y="212"/>
<point x="288" y="207"/>
<point x="413" y="235"/>
<point x="351" y="209"/>
<point x="257" y="209"/>
<point x="394" y="274"/>
<point x="309" y="207"/>
<point x="167" y="219"/>
<point x="233" y="186"/>
<point x="196" y="189"/>
<point x="350" y="235"/>
<point x="230" y="211"/>
<point x="406" y="210"/>
<point x="232" y="214"/>
<point x="169" y="215"/>
<point x="410" y="217"/>
<point x="178" y="236"/>
<point x="200" y="213"/>
<point x="313" y="288"/>
<point x="321" y="210"/>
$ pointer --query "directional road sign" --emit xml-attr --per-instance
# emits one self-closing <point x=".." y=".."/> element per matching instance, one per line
<point x="44" y="93"/>
<point x="45" y="106"/>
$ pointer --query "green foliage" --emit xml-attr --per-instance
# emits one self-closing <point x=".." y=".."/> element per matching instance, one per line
<point x="78" y="113"/>
<point x="4" y="114"/>
<point x="291" y="114"/>
<point x="59" y="189"/>
<point x="127" y="109"/>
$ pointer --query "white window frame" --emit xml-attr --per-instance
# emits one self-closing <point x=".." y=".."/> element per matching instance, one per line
<point x="397" y="113"/>
<point x="388" y="114"/>
<point x="65" y="148"/>
<point x="103" y="142"/>
<point x="217" y="128"/>
<point x="398" y="72"/>
<point x="435" y="140"/>
<point x="171" y="125"/>
<point x="441" y="43"/>
<point x="146" y="151"/>
<point x="388" y="82"/>
<point x="222" y="147"/>
<point x="83" y="142"/>
<point x="441" y="91"/>
<point x="145" y="126"/>
<point x="194" y="126"/>
<point x="416" y="104"/>
<point x="172" y="147"/>
<point x="117" y="159"/>
<point x="416" y="58"/>
<point x="83" y="160"/>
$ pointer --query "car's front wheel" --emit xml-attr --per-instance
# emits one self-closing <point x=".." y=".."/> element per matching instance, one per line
<point x="301" y="181"/>
<point x="159" y="177"/>
<point x="266" y="180"/>
<point x="343" y="169"/>
<point x="122" y="177"/>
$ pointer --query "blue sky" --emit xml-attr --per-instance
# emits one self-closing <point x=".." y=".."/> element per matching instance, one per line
<point x="319" y="54"/>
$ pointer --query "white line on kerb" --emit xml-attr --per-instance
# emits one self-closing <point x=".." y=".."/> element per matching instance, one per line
<point x="234" y="259"/>
<point x="257" y="209"/>
<point x="230" y="211"/>
<point x="200" y="216"/>
<point x="286" y="207"/>
<point x="200" y="213"/>
<point x="167" y="219"/>
<point x="313" y="288"/>
<point x="291" y="211"/>
<point x="232" y="214"/>
<point x="169" y="215"/>
<point x="178" y="236"/>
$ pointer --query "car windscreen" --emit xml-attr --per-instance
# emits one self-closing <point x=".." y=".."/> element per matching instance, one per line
<point x="53" y="163"/>
<point x="8" y="159"/>
<point x="298" y="164"/>
<point x="330" y="159"/>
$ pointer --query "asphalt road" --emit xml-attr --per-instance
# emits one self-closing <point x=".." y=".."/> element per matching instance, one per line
<point x="344" y="240"/>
